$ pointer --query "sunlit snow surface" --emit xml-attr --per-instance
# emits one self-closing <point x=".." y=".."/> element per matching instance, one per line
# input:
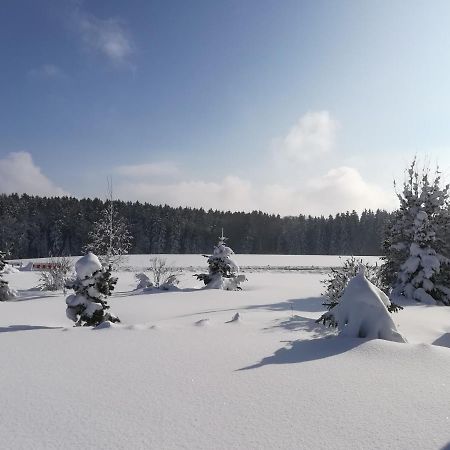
<point x="179" y="373"/>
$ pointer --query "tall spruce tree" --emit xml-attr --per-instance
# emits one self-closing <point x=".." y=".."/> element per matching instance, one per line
<point x="416" y="262"/>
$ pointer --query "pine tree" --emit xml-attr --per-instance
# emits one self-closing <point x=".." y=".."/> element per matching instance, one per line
<point x="223" y="271"/>
<point x="6" y="293"/>
<point x="416" y="263"/>
<point x="362" y="312"/>
<point x="92" y="286"/>
<point x="109" y="238"/>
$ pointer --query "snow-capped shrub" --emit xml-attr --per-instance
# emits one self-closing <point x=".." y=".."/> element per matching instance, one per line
<point x="223" y="270"/>
<point x="6" y="292"/>
<point x="163" y="275"/>
<point x="92" y="285"/>
<point x="56" y="278"/>
<point x="417" y="248"/>
<point x="362" y="312"/>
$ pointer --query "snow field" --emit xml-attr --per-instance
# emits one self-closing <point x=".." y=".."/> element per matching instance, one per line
<point x="175" y="375"/>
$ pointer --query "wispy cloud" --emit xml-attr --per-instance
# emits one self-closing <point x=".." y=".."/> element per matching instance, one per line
<point x="19" y="174"/>
<point x="312" y="136"/>
<point x="108" y="37"/>
<point x="163" y="168"/>
<point x="47" y="71"/>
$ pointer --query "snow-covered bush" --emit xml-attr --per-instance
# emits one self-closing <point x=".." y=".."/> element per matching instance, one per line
<point x="363" y="312"/>
<point x="56" y="278"/>
<point x="6" y="292"/>
<point x="163" y="276"/>
<point x="223" y="270"/>
<point x="92" y="285"/>
<point x="416" y="262"/>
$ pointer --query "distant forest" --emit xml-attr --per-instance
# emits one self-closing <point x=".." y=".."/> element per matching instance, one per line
<point x="32" y="227"/>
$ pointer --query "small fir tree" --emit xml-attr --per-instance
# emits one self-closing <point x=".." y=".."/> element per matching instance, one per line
<point x="339" y="277"/>
<point x="92" y="285"/>
<point x="223" y="271"/>
<point x="6" y="293"/>
<point x="362" y="312"/>
<point x="416" y="262"/>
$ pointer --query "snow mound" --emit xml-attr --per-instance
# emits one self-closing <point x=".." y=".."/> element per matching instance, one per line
<point x="87" y="265"/>
<point x="235" y="318"/>
<point x="362" y="312"/>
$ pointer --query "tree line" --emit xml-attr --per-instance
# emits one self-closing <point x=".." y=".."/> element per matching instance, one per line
<point x="33" y="226"/>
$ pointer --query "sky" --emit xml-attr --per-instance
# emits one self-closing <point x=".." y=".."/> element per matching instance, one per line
<point x="290" y="107"/>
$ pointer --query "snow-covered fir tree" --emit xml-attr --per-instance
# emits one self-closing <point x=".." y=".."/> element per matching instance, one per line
<point x="362" y="312"/>
<point x="6" y="292"/>
<point x="416" y="262"/>
<point x="109" y="237"/>
<point x="223" y="271"/>
<point x="339" y="277"/>
<point x="92" y="285"/>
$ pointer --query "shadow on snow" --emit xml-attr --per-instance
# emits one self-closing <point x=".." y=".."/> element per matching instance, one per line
<point x="26" y="328"/>
<point x="443" y="341"/>
<point x="310" y="350"/>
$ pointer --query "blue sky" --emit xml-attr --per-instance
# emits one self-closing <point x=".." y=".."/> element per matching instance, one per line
<point x="289" y="107"/>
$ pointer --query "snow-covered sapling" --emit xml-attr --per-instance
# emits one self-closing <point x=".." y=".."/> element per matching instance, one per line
<point x="363" y="312"/>
<point x="110" y="237"/>
<point x="92" y="285"/>
<point x="337" y="281"/>
<point x="6" y="293"/>
<point x="223" y="270"/>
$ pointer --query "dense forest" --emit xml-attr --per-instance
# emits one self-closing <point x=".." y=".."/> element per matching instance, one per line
<point x="33" y="227"/>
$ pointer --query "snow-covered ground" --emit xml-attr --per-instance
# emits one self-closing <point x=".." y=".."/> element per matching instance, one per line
<point x="176" y="375"/>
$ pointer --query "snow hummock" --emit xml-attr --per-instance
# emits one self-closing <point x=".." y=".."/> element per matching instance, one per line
<point x="362" y="311"/>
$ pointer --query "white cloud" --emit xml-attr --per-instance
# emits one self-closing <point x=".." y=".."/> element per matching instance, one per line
<point x="344" y="186"/>
<point x="339" y="190"/>
<point x="108" y="37"/>
<point x="47" y="71"/>
<point x="163" y="168"/>
<point x="19" y="174"/>
<point x="312" y="136"/>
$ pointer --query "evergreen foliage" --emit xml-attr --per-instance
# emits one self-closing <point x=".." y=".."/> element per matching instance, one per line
<point x="339" y="277"/>
<point x="416" y="263"/>
<point x="362" y="311"/>
<point x="6" y="293"/>
<point x="34" y="227"/>
<point x="92" y="286"/>
<point x="223" y="272"/>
